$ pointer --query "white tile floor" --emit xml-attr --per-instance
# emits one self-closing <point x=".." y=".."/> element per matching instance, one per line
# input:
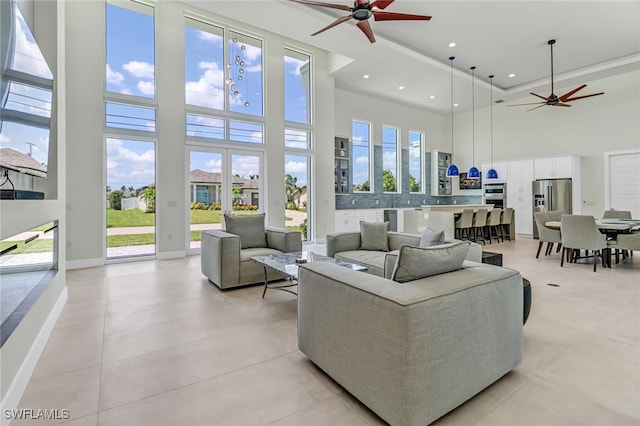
<point x="154" y="343"/>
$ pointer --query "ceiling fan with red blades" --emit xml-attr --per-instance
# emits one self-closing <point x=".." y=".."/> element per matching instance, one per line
<point x="362" y="11"/>
<point x="554" y="100"/>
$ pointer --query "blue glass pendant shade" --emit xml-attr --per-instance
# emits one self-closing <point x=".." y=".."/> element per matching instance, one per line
<point x="474" y="173"/>
<point x="452" y="171"/>
<point x="492" y="174"/>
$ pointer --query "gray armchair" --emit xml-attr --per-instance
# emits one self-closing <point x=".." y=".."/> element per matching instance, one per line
<point x="226" y="261"/>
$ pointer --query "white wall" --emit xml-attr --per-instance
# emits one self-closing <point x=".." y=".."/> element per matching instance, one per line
<point x="589" y="128"/>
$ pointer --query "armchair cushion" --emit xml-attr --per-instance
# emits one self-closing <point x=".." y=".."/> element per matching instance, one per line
<point x="249" y="228"/>
<point x="419" y="262"/>
<point x="373" y="236"/>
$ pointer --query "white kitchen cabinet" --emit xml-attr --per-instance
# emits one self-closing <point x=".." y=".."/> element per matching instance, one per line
<point x="519" y="194"/>
<point x="501" y="167"/>
<point x="555" y="167"/>
<point x="349" y="220"/>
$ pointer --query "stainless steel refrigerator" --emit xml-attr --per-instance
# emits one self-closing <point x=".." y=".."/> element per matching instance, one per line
<point x="551" y="194"/>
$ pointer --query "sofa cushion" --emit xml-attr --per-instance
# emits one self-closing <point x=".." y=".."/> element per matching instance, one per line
<point x="432" y="237"/>
<point x="373" y="236"/>
<point x="373" y="260"/>
<point x="419" y="262"/>
<point x="250" y="229"/>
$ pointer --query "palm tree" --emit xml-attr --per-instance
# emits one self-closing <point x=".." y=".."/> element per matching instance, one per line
<point x="290" y="187"/>
<point x="237" y="192"/>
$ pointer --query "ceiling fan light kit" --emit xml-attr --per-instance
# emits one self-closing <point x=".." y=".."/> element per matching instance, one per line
<point x="361" y="11"/>
<point x="553" y="99"/>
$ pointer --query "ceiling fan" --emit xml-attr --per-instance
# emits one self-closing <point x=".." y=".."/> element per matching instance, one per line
<point x="363" y="10"/>
<point x="554" y="100"/>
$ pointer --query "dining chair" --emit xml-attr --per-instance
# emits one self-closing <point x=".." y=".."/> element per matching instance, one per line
<point x="493" y="223"/>
<point x="579" y="232"/>
<point x="464" y="223"/>
<point x="626" y="243"/>
<point x="616" y="214"/>
<point x="546" y="234"/>
<point x="479" y="223"/>
<point x="505" y="223"/>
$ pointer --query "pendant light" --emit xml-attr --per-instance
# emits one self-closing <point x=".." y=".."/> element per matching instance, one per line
<point x="492" y="173"/>
<point x="474" y="173"/>
<point x="452" y="170"/>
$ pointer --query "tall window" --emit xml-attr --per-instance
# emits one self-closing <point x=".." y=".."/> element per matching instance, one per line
<point x="416" y="161"/>
<point x="296" y="187"/>
<point x="390" y="144"/>
<point x="361" y="156"/>
<point x="297" y="84"/>
<point x="130" y="49"/>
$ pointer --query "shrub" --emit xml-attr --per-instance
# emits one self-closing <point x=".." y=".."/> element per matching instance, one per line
<point x="115" y="199"/>
<point x="291" y="206"/>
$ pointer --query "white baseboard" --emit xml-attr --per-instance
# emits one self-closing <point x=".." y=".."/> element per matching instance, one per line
<point x="171" y="255"/>
<point x="19" y="384"/>
<point x="84" y="263"/>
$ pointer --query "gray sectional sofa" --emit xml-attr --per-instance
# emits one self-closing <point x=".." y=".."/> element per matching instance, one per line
<point x="411" y="351"/>
<point x="346" y="246"/>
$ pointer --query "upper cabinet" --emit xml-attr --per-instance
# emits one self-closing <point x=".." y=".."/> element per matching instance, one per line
<point x="341" y="169"/>
<point x="556" y="167"/>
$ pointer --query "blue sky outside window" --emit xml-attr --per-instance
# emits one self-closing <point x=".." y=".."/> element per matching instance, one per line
<point x="131" y="50"/>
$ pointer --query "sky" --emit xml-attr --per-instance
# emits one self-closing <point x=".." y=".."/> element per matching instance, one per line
<point x="130" y="70"/>
<point x="24" y="138"/>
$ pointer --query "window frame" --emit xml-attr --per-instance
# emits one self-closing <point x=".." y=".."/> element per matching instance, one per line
<point x="422" y="160"/>
<point x="370" y="156"/>
<point x="398" y="154"/>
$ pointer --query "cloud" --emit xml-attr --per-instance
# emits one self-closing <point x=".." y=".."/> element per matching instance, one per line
<point x="126" y="92"/>
<point x="297" y="64"/>
<point x="203" y="35"/>
<point x="146" y="87"/>
<point x="362" y="160"/>
<point x="245" y="166"/>
<point x="140" y="69"/>
<point x="389" y="160"/>
<point x="27" y="55"/>
<point x="114" y="77"/>
<point x="214" y="165"/>
<point x="295" y="138"/>
<point x="130" y="163"/>
<point x="208" y="91"/>
<point x="291" y="167"/>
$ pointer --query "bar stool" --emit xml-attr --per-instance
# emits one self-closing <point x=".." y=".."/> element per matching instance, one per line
<point x="505" y="223"/>
<point x="493" y="223"/>
<point x="464" y="223"/>
<point x="479" y="222"/>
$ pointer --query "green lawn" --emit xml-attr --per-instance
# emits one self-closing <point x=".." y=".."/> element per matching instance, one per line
<point x="37" y="246"/>
<point x="125" y="218"/>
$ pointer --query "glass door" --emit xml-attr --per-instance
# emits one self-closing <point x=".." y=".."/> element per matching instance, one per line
<point x="131" y="197"/>
<point x="221" y="181"/>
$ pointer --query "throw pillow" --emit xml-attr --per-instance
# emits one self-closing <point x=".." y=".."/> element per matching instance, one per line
<point x="249" y="228"/>
<point x="373" y="236"/>
<point x="418" y="262"/>
<point x="432" y="237"/>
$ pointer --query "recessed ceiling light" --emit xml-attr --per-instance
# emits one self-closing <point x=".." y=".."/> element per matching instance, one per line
<point x="512" y="75"/>
<point x="432" y="97"/>
<point x="455" y="105"/>
<point x="366" y="76"/>
<point x="400" y="87"/>
<point x="452" y="44"/>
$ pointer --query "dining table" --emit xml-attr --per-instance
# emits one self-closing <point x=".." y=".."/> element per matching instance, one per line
<point x="609" y="226"/>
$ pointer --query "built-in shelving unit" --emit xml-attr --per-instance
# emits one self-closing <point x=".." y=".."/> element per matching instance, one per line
<point x="342" y="165"/>
<point x="440" y="183"/>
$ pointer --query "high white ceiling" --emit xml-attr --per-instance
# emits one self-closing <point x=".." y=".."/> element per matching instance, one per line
<point x="594" y="39"/>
